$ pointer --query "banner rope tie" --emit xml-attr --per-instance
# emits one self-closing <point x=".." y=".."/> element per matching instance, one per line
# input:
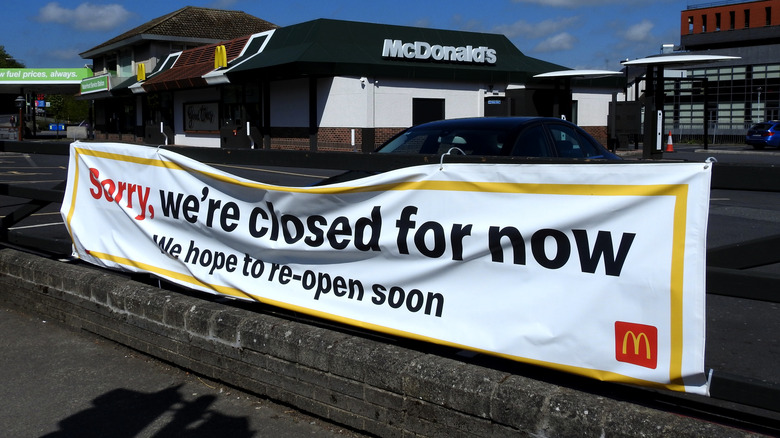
<point x="710" y="160"/>
<point x="449" y="152"/>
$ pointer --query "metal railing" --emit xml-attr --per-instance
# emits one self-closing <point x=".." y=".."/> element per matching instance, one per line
<point x="718" y="133"/>
<point x="729" y="268"/>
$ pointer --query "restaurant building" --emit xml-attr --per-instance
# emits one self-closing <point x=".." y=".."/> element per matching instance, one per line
<point x="117" y="62"/>
<point x="332" y="84"/>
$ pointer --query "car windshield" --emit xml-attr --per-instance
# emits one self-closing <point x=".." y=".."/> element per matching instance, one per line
<point x="438" y="141"/>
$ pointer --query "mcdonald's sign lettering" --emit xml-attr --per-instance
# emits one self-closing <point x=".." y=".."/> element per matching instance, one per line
<point x="636" y="344"/>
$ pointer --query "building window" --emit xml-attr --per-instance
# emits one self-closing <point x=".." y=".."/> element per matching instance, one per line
<point x="690" y="25"/>
<point x="768" y="11"/>
<point x="704" y="23"/>
<point x="125" y="64"/>
<point x="427" y="110"/>
<point x="111" y="64"/>
<point x="732" y="20"/>
<point x="747" y="18"/>
<point x="717" y="22"/>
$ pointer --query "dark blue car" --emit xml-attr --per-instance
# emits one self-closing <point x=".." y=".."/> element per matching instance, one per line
<point x="508" y="136"/>
<point x="543" y="137"/>
<point x="765" y="134"/>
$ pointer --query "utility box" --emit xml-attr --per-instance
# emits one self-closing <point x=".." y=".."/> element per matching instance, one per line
<point x="77" y="132"/>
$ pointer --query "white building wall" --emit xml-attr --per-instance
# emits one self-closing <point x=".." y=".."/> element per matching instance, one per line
<point x="344" y="102"/>
<point x="593" y="106"/>
<point x="355" y="102"/>
<point x="369" y="102"/>
<point x="394" y="100"/>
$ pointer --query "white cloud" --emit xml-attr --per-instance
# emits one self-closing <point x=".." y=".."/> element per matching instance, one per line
<point x="535" y="30"/>
<point x="68" y="54"/>
<point x="467" y="24"/>
<point x="422" y="22"/>
<point x="639" y="31"/>
<point x="556" y="43"/>
<point x="86" y="16"/>
<point x="221" y="4"/>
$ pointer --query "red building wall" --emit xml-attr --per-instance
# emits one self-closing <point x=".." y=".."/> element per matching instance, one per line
<point x="693" y="21"/>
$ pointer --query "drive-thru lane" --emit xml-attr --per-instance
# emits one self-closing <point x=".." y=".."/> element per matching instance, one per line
<point x="46" y="171"/>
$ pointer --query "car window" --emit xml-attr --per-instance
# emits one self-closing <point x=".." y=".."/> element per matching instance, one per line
<point x="410" y="142"/>
<point x="571" y="144"/>
<point x="470" y="141"/>
<point x="532" y="142"/>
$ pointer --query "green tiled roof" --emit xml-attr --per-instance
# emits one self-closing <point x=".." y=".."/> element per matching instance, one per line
<point x="333" y="47"/>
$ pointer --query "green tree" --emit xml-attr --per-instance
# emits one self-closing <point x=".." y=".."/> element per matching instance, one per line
<point x="7" y="61"/>
<point x="65" y="108"/>
<point x="57" y="107"/>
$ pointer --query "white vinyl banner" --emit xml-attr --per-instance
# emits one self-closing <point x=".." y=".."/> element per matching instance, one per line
<point x="593" y="269"/>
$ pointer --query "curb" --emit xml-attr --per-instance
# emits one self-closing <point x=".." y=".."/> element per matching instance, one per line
<point x="371" y="386"/>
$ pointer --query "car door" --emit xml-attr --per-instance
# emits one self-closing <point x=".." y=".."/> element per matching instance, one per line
<point x="532" y="141"/>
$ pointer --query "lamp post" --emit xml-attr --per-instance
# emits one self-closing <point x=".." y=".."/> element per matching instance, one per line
<point x="20" y="102"/>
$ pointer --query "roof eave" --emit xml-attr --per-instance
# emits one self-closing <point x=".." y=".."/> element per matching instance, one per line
<point x="136" y="39"/>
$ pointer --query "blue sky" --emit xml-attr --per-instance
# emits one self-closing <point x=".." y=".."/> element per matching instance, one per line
<point x="595" y="34"/>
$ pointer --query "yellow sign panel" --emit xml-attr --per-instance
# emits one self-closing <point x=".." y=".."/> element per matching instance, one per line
<point x="220" y="57"/>
<point x="141" y="73"/>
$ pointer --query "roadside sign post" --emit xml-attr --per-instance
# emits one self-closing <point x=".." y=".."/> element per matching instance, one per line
<point x="20" y="102"/>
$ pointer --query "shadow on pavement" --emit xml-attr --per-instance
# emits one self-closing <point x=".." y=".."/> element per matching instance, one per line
<point x="125" y="413"/>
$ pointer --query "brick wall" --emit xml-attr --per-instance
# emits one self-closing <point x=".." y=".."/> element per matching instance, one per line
<point x="380" y="388"/>
<point x="757" y="17"/>
<point x="328" y="139"/>
<point x="122" y="138"/>
<point x="600" y="133"/>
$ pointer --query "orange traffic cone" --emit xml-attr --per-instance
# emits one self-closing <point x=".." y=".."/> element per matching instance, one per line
<point x="669" y="145"/>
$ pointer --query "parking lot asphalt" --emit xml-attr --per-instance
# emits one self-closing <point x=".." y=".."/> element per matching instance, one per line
<point x="57" y="383"/>
<point x="60" y="383"/>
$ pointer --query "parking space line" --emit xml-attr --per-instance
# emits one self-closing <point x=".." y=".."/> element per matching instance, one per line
<point x="37" y="226"/>
<point x="31" y="182"/>
<point x="280" y="172"/>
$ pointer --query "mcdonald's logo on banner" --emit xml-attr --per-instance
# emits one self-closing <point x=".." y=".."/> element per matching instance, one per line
<point x="636" y="344"/>
<point x="220" y="57"/>
<point x="141" y="72"/>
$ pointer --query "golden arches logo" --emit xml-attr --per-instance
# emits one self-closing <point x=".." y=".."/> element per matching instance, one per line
<point x="636" y="344"/>
<point x="220" y="57"/>
<point x="635" y="340"/>
<point x="141" y="72"/>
